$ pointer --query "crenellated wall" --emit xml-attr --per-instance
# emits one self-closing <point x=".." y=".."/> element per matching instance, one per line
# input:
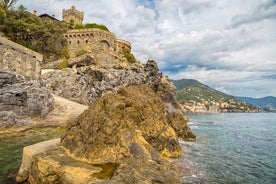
<point x="20" y="59"/>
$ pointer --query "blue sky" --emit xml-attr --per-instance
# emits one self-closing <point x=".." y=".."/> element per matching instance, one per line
<point x="229" y="45"/>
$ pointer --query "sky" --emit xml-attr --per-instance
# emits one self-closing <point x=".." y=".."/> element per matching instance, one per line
<point x="229" y="45"/>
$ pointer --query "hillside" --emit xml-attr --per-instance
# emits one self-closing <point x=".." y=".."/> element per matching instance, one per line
<point x="197" y="97"/>
<point x="267" y="103"/>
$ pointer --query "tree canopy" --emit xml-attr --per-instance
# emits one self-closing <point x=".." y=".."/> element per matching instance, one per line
<point x="43" y="35"/>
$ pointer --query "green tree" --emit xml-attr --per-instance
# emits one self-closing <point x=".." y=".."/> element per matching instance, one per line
<point x="7" y="4"/>
<point x="43" y="35"/>
<point x="2" y="14"/>
<point x="21" y="8"/>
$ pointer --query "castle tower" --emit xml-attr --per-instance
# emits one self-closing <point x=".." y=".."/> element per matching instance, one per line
<point x="72" y="15"/>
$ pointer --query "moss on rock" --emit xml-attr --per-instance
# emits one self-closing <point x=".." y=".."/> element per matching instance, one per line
<point x="106" y="131"/>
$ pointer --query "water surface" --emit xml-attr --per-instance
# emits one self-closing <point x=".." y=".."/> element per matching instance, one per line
<point x="231" y="148"/>
<point x="11" y="149"/>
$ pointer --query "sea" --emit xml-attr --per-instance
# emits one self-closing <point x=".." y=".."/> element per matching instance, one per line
<point x="230" y="148"/>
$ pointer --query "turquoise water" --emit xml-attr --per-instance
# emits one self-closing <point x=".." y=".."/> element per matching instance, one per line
<point x="231" y="148"/>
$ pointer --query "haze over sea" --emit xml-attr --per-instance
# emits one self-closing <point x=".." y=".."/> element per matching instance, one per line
<point x="231" y="148"/>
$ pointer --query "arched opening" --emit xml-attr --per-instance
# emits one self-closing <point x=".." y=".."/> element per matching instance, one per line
<point x="105" y="45"/>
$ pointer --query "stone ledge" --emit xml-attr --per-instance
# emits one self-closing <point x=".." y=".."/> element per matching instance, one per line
<point x="29" y="152"/>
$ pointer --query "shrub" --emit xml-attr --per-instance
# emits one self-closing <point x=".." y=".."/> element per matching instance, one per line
<point x="94" y="25"/>
<point x="78" y="26"/>
<point x="129" y="56"/>
<point x="81" y="52"/>
<point x="63" y="64"/>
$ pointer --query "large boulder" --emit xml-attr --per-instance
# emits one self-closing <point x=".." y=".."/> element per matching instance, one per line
<point x="116" y="123"/>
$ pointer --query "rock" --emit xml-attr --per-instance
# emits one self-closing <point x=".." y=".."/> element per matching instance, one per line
<point x="23" y="98"/>
<point x="9" y="119"/>
<point x="179" y="124"/>
<point x="105" y="132"/>
<point x="86" y="84"/>
<point x="120" y="138"/>
<point x="47" y="162"/>
<point x="29" y="152"/>
<point x="81" y="61"/>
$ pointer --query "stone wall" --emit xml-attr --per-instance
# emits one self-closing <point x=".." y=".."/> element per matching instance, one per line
<point x="20" y="59"/>
<point x="94" y="41"/>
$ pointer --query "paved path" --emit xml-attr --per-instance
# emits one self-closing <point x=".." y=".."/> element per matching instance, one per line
<point x="65" y="110"/>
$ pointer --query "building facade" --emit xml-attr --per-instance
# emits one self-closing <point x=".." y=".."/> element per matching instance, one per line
<point x="92" y="40"/>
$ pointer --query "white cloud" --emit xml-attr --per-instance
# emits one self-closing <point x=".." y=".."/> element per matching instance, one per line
<point x="222" y="43"/>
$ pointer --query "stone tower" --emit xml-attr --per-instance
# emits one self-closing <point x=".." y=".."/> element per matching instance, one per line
<point x="72" y="15"/>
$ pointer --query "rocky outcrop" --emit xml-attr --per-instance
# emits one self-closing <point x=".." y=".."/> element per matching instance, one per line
<point x="86" y="84"/>
<point x="105" y="132"/>
<point x="120" y="138"/>
<point x="22" y="98"/>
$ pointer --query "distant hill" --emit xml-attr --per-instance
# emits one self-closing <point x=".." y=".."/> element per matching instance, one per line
<point x="197" y="97"/>
<point x="267" y="103"/>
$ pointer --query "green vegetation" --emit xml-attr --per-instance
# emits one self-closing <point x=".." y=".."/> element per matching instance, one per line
<point x="43" y="35"/>
<point x="129" y="56"/>
<point x="7" y="4"/>
<point x="89" y="25"/>
<point x="63" y="64"/>
<point x="81" y="52"/>
<point x="200" y="92"/>
<point x="78" y="26"/>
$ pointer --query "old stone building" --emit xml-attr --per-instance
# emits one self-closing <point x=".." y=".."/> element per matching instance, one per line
<point x="92" y="40"/>
<point x="95" y="41"/>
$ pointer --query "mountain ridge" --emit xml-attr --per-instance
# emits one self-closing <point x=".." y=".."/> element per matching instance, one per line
<point x="197" y="97"/>
<point x="267" y="103"/>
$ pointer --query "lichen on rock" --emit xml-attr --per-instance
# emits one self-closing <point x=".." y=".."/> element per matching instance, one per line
<point x="114" y="124"/>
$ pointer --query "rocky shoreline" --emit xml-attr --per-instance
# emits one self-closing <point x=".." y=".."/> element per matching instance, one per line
<point x="140" y="139"/>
